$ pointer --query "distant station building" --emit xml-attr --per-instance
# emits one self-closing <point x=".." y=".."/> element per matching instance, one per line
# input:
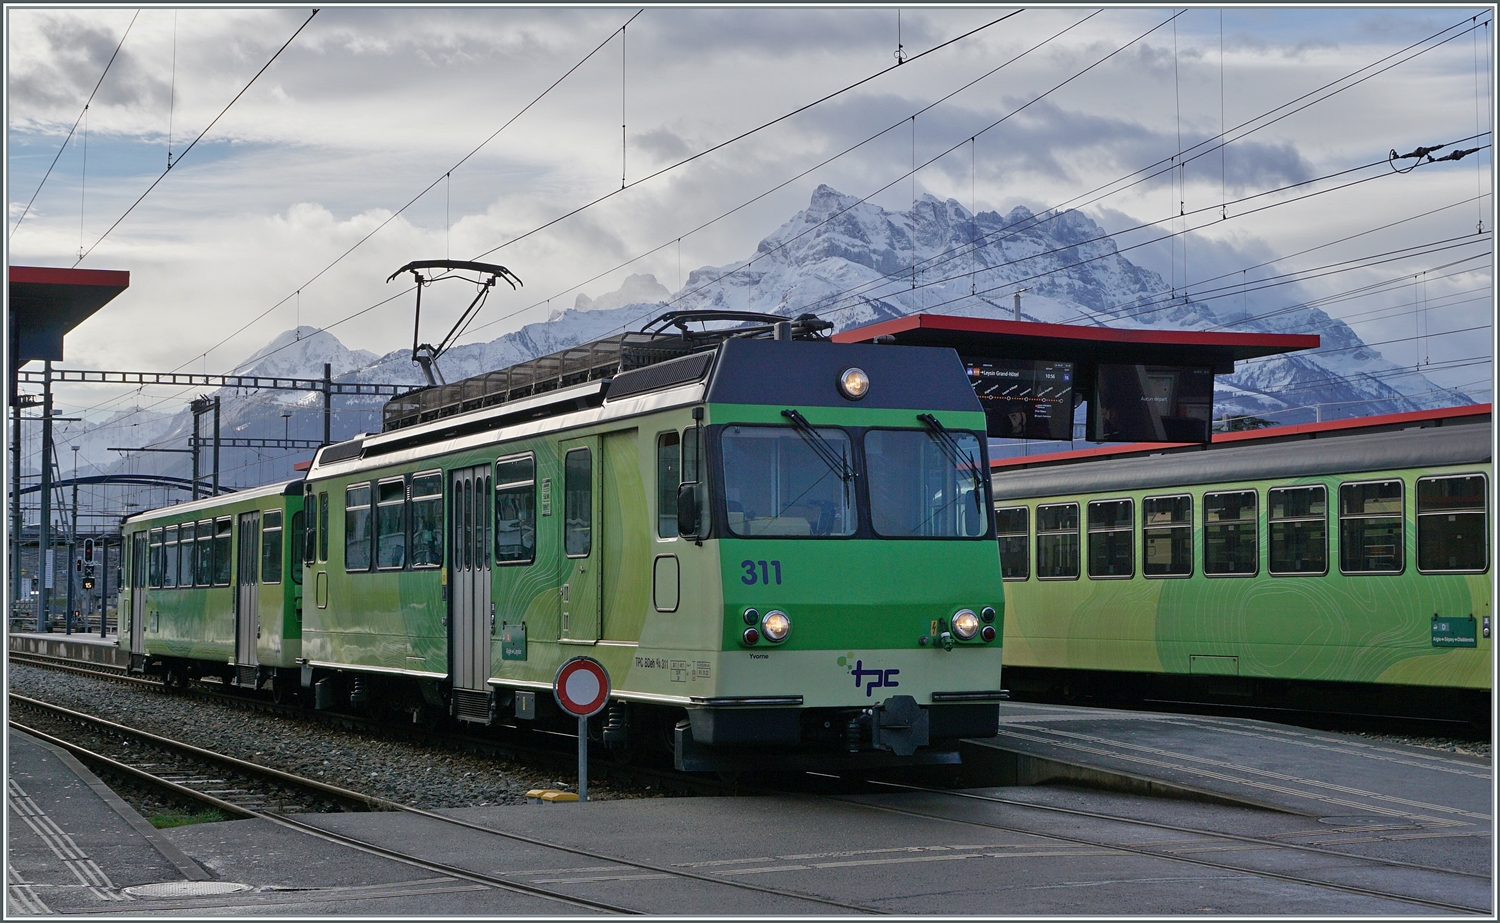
<point x="1139" y="385"/>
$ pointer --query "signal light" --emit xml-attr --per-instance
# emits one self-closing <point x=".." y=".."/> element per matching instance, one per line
<point x="88" y="550"/>
<point x="987" y="613"/>
<point x="987" y="632"/>
<point x="751" y="635"/>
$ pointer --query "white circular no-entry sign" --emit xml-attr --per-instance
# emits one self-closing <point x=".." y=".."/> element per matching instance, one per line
<point x="582" y="686"/>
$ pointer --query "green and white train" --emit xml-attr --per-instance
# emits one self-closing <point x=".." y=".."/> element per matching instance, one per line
<point x="779" y="547"/>
<point x="1330" y="567"/>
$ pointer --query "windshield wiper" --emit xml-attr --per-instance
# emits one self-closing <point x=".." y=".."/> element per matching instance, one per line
<point x="822" y="448"/>
<point x="956" y="455"/>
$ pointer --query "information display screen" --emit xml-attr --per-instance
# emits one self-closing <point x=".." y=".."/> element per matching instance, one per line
<point x="1024" y="398"/>
<point x="1151" y="403"/>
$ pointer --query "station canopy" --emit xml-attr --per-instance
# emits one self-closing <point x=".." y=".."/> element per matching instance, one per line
<point x="1140" y="385"/>
<point x="46" y="303"/>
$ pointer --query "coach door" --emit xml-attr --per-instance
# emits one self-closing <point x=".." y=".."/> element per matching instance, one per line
<point x="469" y="517"/>
<point x="246" y="600"/>
<point x="139" y="563"/>
<point x="581" y="581"/>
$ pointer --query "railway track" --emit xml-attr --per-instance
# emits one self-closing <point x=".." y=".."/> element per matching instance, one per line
<point x="183" y="780"/>
<point x="1204" y="841"/>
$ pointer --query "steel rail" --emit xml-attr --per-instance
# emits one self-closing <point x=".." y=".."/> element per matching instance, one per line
<point x="327" y="835"/>
<point x="1143" y="851"/>
<point x="376" y="801"/>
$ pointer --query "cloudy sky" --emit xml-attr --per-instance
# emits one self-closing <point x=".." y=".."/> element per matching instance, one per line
<point x="369" y="107"/>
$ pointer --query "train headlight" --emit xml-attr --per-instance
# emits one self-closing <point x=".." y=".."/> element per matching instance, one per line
<point x="776" y="626"/>
<point x="854" y="384"/>
<point x="965" y="624"/>
<point x="751" y="635"/>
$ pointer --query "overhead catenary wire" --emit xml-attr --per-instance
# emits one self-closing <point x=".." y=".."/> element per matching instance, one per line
<point x="25" y="211"/>
<point x="200" y="137"/>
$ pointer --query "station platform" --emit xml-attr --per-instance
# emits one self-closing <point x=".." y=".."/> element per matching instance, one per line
<point x="1237" y="761"/>
<point x="73" y="844"/>
<point x="77" y="646"/>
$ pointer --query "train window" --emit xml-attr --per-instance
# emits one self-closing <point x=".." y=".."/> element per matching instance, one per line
<point x="323" y="526"/>
<point x="270" y="546"/>
<point x="515" y="510"/>
<point x="922" y="488"/>
<point x="1111" y="538"/>
<point x="310" y="528"/>
<point x="578" y="502"/>
<point x="1011" y="531"/>
<point x="1057" y="542"/>
<point x="668" y="479"/>
<point x="1229" y="534"/>
<point x="427" y="519"/>
<point x="1451" y="530"/>
<point x="187" y="556"/>
<point x="169" y="561"/>
<point x="1370" y="528"/>
<point x="390" y="524"/>
<point x="692" y="451"/>
<point x="297" y="540"/>
<point x="776" y="483"/>
<point x="156" y="557"/>
<point x="357" y="527"/>
<point x="223" y="533"/>
<point x="484" y="530"/>
<point x="1167" y="536"/>
<point x="204" y="558"/>
<point x="1298" y="519"/>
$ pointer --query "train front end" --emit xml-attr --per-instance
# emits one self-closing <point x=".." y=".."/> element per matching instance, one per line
<point x="848" y="553"/>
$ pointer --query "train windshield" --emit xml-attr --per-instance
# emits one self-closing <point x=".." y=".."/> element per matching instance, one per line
<point x="784" y="481"/>
<point x="925" y="484"/>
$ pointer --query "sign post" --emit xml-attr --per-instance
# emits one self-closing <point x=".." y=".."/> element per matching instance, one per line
<point x="582" y="689"/>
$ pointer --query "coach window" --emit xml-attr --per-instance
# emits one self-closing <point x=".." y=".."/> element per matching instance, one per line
<point x="515" y="510"/>
<point x="1011" y="530"/>
<point x="1370" y="528"/>
<point x="390" y="524"/>
<point x="427" y="519"/>
<point x="156" y="556"/>
<point x="668" y="479"/>
<point x="1167" y="536"/>
<point x="357" y="527"/>
<point x="1298" y="519"/>
<point x="297" y="541"/>
<point x="1057" y="542"/>
<point x="204" y="557"/>
<point x="1229" y="547"/>
<point x="578" y="503"/>
<point x="270" y="546"/>
<point x="1451" y="531"/>
<point x="1111" y="538"/>
<point x="169" y="565"/>
<point x="187" y="556"/>
<point x="323" y="526"/>
<point x="223" y="533"/>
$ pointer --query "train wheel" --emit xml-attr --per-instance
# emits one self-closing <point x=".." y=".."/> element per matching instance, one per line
<point x="285" y="687"/>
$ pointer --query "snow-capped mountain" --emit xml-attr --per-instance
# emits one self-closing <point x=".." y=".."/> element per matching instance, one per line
<point x="853" y="263"/>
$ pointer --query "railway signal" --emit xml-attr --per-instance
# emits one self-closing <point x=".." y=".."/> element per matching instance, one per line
<point x="582" y="689"/>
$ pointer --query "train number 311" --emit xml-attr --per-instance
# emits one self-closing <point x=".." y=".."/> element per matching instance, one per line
<point x="765" y="574"/>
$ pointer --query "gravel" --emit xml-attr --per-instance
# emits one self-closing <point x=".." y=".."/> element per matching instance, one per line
<point x="398" y="770"/>
<point x="1446" y="744"/>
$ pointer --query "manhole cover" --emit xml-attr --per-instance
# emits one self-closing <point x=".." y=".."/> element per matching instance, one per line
<point x="186" y="889"/>
<point x="1363" y="820"/>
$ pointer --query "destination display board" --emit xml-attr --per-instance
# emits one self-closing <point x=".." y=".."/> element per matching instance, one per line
<point x="1151" y="403"/>
<point x="1024" y="398"/>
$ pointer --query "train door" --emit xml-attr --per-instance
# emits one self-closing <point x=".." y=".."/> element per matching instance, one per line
<point x="470" y="611"/>
<point x="247" y="600"/>
<point x="581" y="583"/>
<point x="137" y="616"/>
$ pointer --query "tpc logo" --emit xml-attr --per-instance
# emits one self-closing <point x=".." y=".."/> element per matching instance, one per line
<point x="871" y="679"/>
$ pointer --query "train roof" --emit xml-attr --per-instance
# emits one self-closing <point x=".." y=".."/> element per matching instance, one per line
<point x="287" y="488"/>
<point x="1422" y="444"/>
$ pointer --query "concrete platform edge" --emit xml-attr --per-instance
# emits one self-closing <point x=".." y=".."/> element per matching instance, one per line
<point x="169" y="851"/>
<point x="1016" y="767"/>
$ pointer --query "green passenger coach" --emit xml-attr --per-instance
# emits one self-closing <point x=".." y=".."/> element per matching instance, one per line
<point x="214" y="588"/>
<point x="1333" y="567"/>
<point x="779" y="547"/>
